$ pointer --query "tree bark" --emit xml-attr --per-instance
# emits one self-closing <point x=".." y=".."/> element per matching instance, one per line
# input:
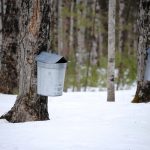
<point x="80" y="52"/>
<point x="66" y="28"/>
<point x="8" y="52"/>
<point x="75" y="29"/>
<point x="100" y="41"/>
<point x="60" y="29"/>
<point x="54" y="26"/>
<point x="90" y="40"/>
<point x="1" y="20"/>
<point x="143" y="86"/>
<point x="111" y="51"/>
<point x="142" y="92"/>
<point x="33" y="38"/>
<point x="94" y="36"/>
<point x="121" y="41"/>
<point x="121" y="25"/>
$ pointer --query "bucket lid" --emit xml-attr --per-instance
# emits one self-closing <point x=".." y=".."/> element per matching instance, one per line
<point x="50" y="58"/>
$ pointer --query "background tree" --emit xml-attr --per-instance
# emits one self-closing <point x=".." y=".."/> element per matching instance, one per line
<point x="54" y="25"/>
<point x="33" y="38"/>
<point x="80" y="51"/>
<point x="143" y="85"/>
<point x="121" y="39"/>
<point x="111" y="51"/>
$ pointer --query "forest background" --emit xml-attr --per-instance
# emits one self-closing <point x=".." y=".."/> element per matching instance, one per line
<point x="79" y="32"/>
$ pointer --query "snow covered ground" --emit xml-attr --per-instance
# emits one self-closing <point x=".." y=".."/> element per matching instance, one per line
<point x="81" y="121"/>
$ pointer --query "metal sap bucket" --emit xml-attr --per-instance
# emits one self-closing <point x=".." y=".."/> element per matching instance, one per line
<point x="51" y="70"/>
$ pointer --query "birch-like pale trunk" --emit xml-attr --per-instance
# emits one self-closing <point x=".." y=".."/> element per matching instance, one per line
<point x="33" y="38"/>
<point x="143" y="85"/>
<point x="111" y="51"/>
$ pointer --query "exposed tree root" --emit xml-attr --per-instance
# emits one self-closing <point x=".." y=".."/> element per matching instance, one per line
<point x="26" y="109"/>
<point x="142" y="93"/>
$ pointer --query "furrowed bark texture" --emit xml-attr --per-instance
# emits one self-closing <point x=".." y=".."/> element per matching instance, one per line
<point x="33" y="38"/>
<point x="143" y="87"/>
<point x="111" y="51"/>
<point x="142" y="92"/>
<point x="1" y="18"/>
<point x="8" y="52"/>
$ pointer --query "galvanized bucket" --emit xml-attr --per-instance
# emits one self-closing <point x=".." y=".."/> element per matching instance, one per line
<point x="51" y="70"/>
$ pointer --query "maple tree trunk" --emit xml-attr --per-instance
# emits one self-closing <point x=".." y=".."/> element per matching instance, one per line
<point x="8" y="52"/>
<point x="33" y="38"/>
<point x="143" y="85"/>
<point x="1" y="18"/>
<point x="142" y="92"/>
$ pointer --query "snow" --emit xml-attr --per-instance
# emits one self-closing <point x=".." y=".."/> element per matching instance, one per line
<point x="81" y="121"/>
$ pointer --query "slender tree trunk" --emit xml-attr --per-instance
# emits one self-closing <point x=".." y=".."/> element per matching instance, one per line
<point x="121" y="41"/>
<point x="60" y="29"/>
<point x="99" y="33"/>
<point x="71" y="26"/>
<point x="111" y="51"/>
<point x="94" y="35"/>
<point x="69" y="43"/>
<point x="143" y="84"/>
<point x="100" y="41"/>
<point x="121" y="25"/>
<point x="66" y="28"/>
<point x="80" y="53"/>
<point x="33" y="38"/>
<point x="75" y="45"/>
<point x="8" y="73"/>
<point x="103" y="29"/>
<point x="90" y="40"/>
<point x="54" y="26"/>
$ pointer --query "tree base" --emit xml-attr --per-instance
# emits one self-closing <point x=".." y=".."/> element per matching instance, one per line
<point x="142" y="93"/>
<point x="27" y="109"/>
